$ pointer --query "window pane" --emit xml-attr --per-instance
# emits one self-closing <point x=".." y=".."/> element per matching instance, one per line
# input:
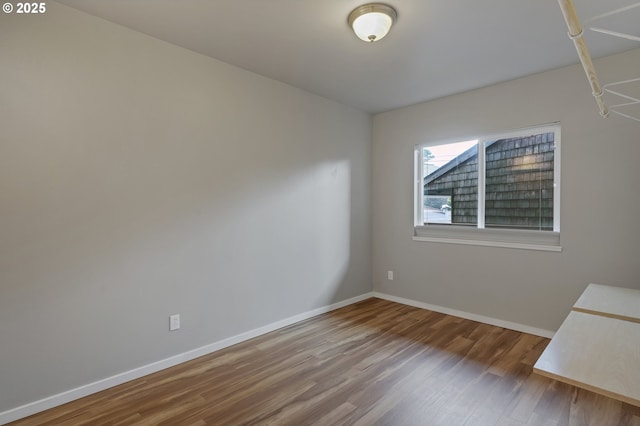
<point x="519" y="182"/>
<point x="451" y="183"/>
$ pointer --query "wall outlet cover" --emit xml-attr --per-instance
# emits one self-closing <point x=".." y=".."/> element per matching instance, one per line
<point x="174" y="322"/>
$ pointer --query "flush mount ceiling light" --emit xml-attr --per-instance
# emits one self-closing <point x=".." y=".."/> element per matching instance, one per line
<point x="372" y="21"/>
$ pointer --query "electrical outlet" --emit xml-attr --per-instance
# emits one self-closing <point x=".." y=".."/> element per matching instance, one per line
<point x="174" y="322"/>
<point x="390" y="275"/>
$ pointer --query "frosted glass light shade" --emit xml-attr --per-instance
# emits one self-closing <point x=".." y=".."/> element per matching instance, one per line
<point x="371" y="22"/>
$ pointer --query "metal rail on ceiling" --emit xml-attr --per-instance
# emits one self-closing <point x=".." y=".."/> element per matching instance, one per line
<point x="576" y="34"/>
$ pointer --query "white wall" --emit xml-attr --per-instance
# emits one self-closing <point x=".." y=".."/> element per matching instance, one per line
<point x="600" y="205"/>
<point x="139" y="180"/>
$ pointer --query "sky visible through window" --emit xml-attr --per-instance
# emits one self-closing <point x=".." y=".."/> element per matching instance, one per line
<point x="447" y="152"/>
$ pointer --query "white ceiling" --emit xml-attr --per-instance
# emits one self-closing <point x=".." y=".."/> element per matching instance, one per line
<point x="436" y="48"/>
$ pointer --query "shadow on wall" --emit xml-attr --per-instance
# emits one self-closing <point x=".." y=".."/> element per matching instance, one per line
<point x="110" y="257"/>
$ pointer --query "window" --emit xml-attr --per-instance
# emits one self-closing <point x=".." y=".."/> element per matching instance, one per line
<point x="499" y="190"/>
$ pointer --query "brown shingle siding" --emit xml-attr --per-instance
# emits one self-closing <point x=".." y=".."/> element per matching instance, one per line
<point x="519" y="181"/>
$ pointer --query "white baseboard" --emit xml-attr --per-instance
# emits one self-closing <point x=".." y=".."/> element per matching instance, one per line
<point x="100" y="385"/>
<point x="466" y="315"/>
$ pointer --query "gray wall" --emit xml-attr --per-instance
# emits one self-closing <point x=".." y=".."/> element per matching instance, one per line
<point x="139" y="180"/>
<point x="599" y="208"/>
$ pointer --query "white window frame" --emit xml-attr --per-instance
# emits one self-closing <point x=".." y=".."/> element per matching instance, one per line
<point x="478" y="234"/>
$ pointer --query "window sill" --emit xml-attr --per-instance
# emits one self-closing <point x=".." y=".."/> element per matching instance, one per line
<point x="508" y="238"/>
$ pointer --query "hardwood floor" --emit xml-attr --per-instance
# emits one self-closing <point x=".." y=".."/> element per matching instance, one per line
<point x="372" y="363"/>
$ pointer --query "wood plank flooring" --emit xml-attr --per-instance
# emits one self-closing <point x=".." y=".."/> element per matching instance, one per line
<point x="372" y="363"/>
